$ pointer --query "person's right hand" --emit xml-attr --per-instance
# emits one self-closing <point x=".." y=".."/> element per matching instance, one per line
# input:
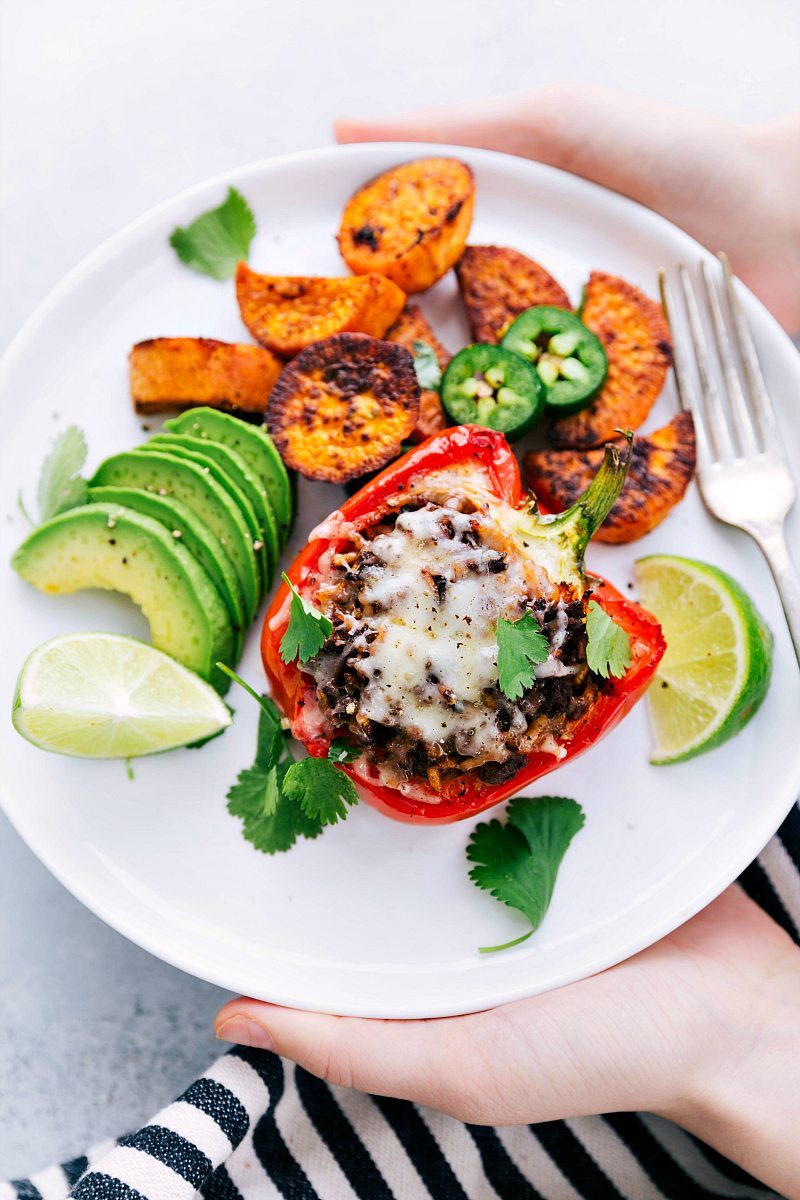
<point x="703" y="1028"/>
<point x="733" y="188"/>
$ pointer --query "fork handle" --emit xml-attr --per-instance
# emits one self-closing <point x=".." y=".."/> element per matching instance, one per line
<point x="772" y="540"/>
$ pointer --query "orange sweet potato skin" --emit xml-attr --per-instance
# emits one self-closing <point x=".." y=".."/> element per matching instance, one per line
<point x="411" y="326"/>
<point x="343" y="407"/>
<point x="410" y="223"/>
<point x="662" y="465"/>
<point x="497" y="284"/>
<point x="170" y="373"/>
<point x="637" y="341"/>
<point x="288" y="313"/>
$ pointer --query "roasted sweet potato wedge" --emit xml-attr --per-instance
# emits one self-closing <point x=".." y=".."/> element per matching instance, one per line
<point x="287" y="313"/>
<point x="662" y="464"/>
<point x="411" y="326"/>
<point x="497" y="284"/>
<point x="634" y="331"/>
<point x="170" y="373"/>
<point x="409" y="223"/>
<point x="343" y="407"/>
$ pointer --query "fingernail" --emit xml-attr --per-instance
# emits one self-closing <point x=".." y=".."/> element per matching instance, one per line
<point x="245" y="1032"/>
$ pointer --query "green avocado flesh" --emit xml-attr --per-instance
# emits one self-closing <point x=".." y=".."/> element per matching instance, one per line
<point x="225" y="480"/>
<point x="242" y="477"/>
<point x="168" y="475"/>
<point x="254" y="445"/>
<point x="112" y="547"/>
<point x="185" y="526"/>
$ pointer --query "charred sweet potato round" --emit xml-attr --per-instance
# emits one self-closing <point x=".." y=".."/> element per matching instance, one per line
<point x="497" y="284"/>
<point x="343" y="407"/>
<point x="169" y="373"/>
<point x="662" y="464"/>
<point x="409" y="223"/>
<point x="410" y="327"/>
<point x="287" y="313"/>
<point x="636" y="337"/>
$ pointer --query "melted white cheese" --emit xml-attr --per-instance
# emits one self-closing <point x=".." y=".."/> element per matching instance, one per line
<point x="429" y="646"/>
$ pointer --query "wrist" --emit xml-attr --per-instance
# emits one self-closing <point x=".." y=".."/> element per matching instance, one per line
<point x="744" y="1102"/>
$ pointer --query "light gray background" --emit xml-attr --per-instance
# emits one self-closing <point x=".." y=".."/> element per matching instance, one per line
<point x="106" y="108"/>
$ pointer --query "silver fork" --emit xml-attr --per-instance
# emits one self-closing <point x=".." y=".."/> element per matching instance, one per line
<point x="742" y="471"/>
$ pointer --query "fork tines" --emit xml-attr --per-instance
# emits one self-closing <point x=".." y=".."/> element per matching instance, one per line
<point x="740" y="425"/>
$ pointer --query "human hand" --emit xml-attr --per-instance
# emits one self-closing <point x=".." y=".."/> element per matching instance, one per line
<point x="703" y="1027"/>
<point x="733" y="188"/>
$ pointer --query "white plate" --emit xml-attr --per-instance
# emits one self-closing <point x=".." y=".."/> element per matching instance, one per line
<point x="374" y="918"/>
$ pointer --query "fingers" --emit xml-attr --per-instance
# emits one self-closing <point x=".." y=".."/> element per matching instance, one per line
<point x="501" y="123"/>
<point x="412" y="1060"/>
<point x="628" y="144"/>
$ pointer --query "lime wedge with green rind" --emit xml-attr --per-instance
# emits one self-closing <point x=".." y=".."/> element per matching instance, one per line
<point x="101" y="695"/>
<point x="717" y="666"/>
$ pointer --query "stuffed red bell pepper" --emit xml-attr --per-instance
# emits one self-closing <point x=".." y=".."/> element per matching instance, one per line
<point x="415" y="573"/>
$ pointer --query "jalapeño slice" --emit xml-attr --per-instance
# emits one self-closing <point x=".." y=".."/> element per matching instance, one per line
<point x="490" y="386"/>
<point x="568" y="357"/>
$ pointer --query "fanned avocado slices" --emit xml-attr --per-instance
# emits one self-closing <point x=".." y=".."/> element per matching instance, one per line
<point x="113" y="547"/>
<point x="254" y="445"/>
<point x="168" y="475"/>
<point x="185" y="526"/>
<point x="224" y="478"/>
<point x="244" y="479"/>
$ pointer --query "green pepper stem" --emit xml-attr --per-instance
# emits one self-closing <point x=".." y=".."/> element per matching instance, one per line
<point x="587" y="514"/>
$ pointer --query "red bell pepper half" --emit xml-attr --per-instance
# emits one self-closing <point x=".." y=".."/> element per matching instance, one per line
<point x="483" y="458"/>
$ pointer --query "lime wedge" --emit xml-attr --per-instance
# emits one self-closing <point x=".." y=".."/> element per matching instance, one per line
<point x="100" y="695"/>
<point x="717" y="667"/>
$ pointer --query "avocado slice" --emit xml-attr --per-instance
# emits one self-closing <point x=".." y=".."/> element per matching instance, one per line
<point x="166" y="475"/>
<point x="223" y="477"/>
<point x="198" y="539"/>
<point x="112" y="547"/>
<point x="245" y="480"/>
<point x="254" y="445"/>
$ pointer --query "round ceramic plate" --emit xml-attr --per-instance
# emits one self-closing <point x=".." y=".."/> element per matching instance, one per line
<point x="373" y="918"/>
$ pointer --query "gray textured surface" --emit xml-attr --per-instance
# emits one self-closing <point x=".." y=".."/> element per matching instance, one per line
<point x="105" y="109"/>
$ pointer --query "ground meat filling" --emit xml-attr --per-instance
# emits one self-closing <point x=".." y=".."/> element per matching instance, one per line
<point x="410" y="670"/>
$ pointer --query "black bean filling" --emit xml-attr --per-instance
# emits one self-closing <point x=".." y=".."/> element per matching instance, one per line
<point x="545" y="710"/>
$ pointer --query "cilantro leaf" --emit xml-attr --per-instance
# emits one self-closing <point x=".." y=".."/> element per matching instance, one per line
<point x="518" y="862"/>
<point x="255" y="793"/>
<point x="520" y="646"/>
<point x="321" y="789"/>
<point x="426" y="366"/>
<point x="270" y="820"/>
<point x="307" y="631"/>
<point x="60" y="484"/>
<point x="608" y="647"/>
<point x="341" y="751"/>
<point x="218" y="239"/>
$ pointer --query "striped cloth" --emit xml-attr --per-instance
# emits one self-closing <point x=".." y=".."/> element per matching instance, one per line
<point x="257" y="1127"/>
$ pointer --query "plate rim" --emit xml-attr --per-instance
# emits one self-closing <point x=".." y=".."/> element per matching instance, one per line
<point x="126" y="924"/>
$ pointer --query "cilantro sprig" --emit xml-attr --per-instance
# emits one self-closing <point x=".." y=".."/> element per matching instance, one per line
<point x="278" y="799"/>
<point x="60" y="484"/>
<point x="307" y="631"/>
<point x="521" y="645"/>
<point x="518" y="862"/>
<point x="608" y="647"/>
<point x="426" y="366"/>
<point x="215" y="242"/>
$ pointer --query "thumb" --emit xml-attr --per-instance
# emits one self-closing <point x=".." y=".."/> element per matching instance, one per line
<point x="410" y="1060"/>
